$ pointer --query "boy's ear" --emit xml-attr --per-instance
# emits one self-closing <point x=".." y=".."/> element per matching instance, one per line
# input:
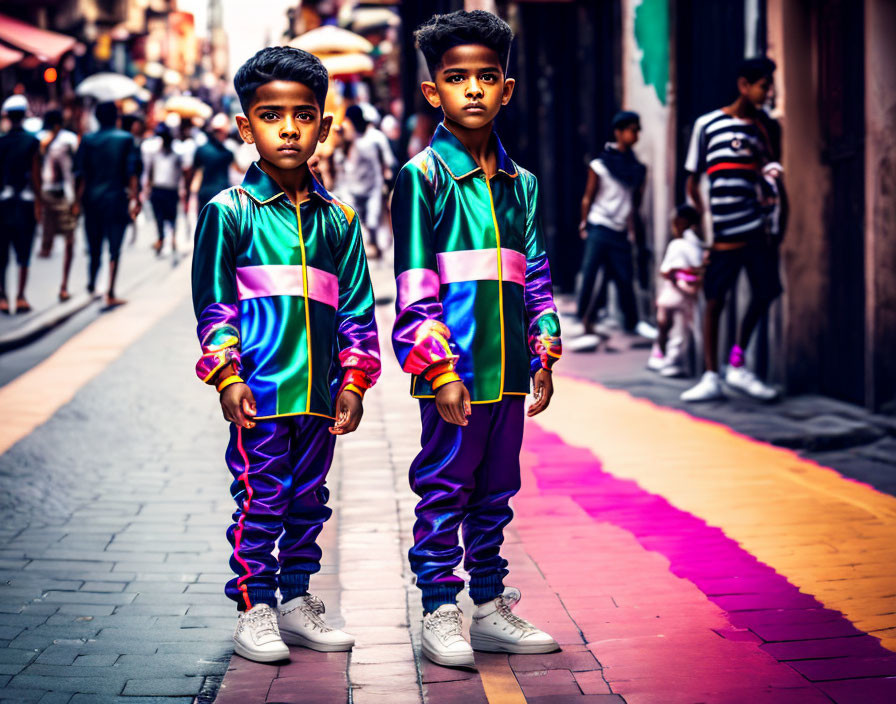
<point x="743" y="85"/>
<point x="509" y="83"/>
<point x="245" y="129"/>
<point x="325" y="125"/>
<point x="431" y="93"/>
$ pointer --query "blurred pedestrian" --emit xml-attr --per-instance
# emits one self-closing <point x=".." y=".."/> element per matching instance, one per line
<point x="731" y="146"/>
<point x="135" y="123"/>
<point x="609" y="210"/>
<point x="58" y="146"/>
<point x="359" y="175"/>
<point x="682" y="272"/>
<point x="108" y="190"/>
<point x="20" y="209"/>
<point x="213" y="161"/>
<point x="164" y="177"/>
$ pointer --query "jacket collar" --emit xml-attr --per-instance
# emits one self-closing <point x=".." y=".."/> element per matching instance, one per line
<point x="458" y="160"/>
<point x="263" y="189"/>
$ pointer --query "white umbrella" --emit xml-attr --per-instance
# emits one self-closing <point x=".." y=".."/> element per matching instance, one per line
<point x="347" y="64"/>
<point x="107" y="86"/>
<point x="331" y="40"/>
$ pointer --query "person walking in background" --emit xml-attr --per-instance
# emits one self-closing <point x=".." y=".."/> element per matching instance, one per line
<point x="108" y="190"/>
<point x="731" y="146"/>
<point x="20" y="208"/>
<point x="609" y="209"/>
<point x="58" y="146"/>
<point x="682" y="271"/>
<point x="164" y="176"/>
<point x="360" y="175"/>
<point x="212" y="160"/>
<point x="135" y="123"/>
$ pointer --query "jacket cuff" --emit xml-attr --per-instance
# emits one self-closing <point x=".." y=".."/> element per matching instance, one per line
<point x="356" y="381"/>
<point x="441" y="373"/>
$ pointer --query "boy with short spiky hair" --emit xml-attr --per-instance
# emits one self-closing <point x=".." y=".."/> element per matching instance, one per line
<point x="286" y="323"/>
<point x="475" y="319"/>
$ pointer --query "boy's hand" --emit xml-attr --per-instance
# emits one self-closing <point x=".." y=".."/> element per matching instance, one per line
<point x="544" y="389"/>
<point x="238" y="405"/>
<point x="453" y="403"/>
<point x="349" y="410"/>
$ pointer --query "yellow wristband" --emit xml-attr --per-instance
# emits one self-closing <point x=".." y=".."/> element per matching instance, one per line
<point x="444" y="378"/>
<point x="352" y="387"/>
<point x="232" y="379"/>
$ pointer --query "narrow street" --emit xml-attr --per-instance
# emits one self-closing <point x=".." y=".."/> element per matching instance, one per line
<point x="674" y="560"/>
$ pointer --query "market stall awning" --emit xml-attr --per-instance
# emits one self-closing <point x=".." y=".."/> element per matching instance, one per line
<point x="47" y="46"/>
<point x="8" y="56"/>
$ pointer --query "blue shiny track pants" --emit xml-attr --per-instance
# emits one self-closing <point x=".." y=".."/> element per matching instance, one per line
<point x="279" y="468"/>
<point x="465" y="478"/>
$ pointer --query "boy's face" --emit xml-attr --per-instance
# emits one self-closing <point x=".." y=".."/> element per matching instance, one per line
<point x="285" y="124"/>
<point x="627" y="137"/>
<point x="756" y="93"/>
<point x="469" y="86"/>
<point x="679" y="225"/>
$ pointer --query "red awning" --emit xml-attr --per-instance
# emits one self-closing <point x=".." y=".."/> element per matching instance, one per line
<point x="8" y="56"/>
<point x="47" y="46"/>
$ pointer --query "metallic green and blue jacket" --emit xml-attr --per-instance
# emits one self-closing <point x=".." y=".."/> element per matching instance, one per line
<point x="474" y="286"/>
<point x="283" y="293"/>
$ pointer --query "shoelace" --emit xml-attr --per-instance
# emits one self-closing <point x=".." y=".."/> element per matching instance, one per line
<point x="264" y="623"/>
<point x="313" y="607"/>
<point x="446" y="624"/>
<point x="504" y="605"/>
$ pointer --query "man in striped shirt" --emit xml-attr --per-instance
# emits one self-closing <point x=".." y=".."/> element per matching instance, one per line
<point x="731" y="147"/>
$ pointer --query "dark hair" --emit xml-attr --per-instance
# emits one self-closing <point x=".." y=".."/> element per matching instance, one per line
<point x="756" y="69"/>
<point x="280" y="63"/>
<point x="107" y="114"/>
<point x="443" y="32"/>
<point x="52" y="119"/>
<point x="688" y="213"/>
<point x="163" y="131"/>
<point x="128" y="121"/>
<point x="355" y="115"/>
<point x="625" y="119"/>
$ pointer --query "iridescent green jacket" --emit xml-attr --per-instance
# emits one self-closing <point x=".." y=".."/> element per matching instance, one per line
<point x="474" y="286"/>
<point x="284" y="294"/>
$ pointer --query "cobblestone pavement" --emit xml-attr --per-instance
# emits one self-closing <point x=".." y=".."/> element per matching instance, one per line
<point x="675" y="561"/>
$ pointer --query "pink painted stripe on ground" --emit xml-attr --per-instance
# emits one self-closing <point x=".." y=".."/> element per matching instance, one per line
<point x="761" y="604"/>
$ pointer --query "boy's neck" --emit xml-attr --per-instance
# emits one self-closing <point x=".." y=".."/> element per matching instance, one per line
<point x="741" y="108"/>
<point x="296" y="183"/>
<point x="478" y="142"/>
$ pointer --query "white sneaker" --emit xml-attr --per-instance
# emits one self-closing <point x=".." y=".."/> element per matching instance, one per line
<point x="302" y="623"/>
<point x="657" y="360"/>
<point x="671" y="371"/>
<point x="496" y="629"/>
<point x="746" y="381"/>
<point x="709" y="388"/>
<point x="572" y="327"/>
<point x="646" y="330"/>
<point x="443" y="640"/>
<point x="585" y="343"/>
<point x="257" y="636"/>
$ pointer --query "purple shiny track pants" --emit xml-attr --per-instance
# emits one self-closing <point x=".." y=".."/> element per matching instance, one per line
<point x="279" y="468"/>
<point x="465" y="478"/>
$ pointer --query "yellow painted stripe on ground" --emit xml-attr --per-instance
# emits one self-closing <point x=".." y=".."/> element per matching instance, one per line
<point x="498" y="680"/>
<point x="32" y="398"/>
<point x="830" y="536"/>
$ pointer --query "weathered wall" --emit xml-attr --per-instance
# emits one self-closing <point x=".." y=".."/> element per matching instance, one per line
<point x="647" y="91"/>
<point x="791" y="43"/>
<point x="880" y="203"/>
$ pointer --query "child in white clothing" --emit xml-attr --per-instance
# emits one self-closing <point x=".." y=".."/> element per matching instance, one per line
<point x="682" y="272"/>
